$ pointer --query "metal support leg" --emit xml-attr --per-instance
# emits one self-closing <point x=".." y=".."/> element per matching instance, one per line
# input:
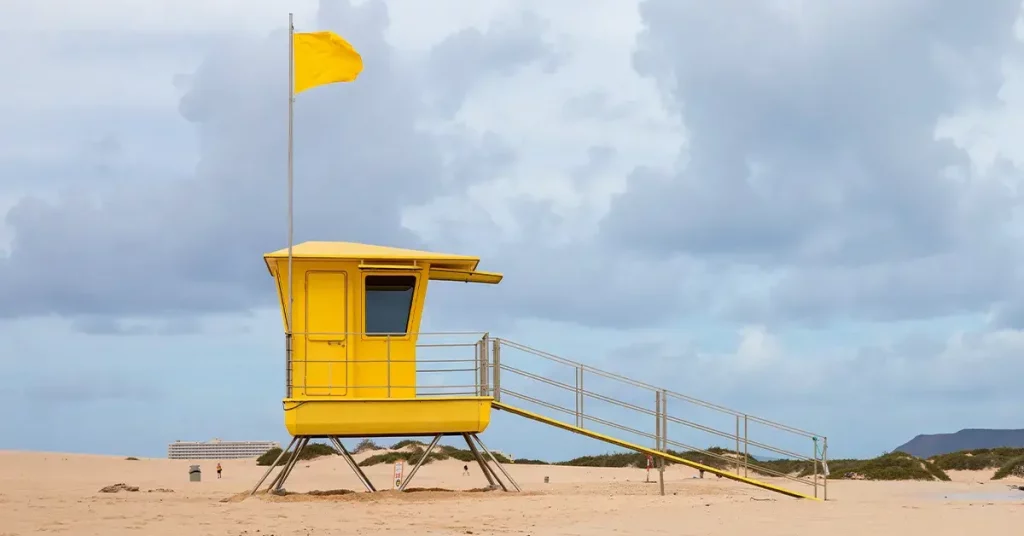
<point x="496" y="462"/>
<point x="492" y="478"/>
<point x="483" y="463"/>
<point x="492" y="475"/>
<point x="423" y="458"/>
<point x="272" y="466"/>
<point x="353" y="465"/>
<point x="278" y="483"/>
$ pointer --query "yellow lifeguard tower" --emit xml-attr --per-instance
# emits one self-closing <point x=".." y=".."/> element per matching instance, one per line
<point x="352" y="329"/>
<point x="351" y="364"/>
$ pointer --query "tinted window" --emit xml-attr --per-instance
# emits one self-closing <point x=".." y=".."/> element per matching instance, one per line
<point x="388" y="303"/>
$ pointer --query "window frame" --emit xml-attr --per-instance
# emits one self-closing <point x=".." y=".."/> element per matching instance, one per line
<point x="406" y="335"/>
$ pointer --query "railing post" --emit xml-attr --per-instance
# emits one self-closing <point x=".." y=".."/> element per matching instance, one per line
<point x="476" y="365"/>
<point x="497" y="370"/>
<point x="657" y="420"/>
<point x="579" y="396"/>
<point x="485" y="363"/>
<point x="664" y="438"/>
<point x="288" y="365"/>
<point x="737" y="444"/>
<point x="664" y="422"/>
<point x="824" y="466"/>
<point x="746" y="445"/>
<point x="816" y="460"/>
<point x="480" y="368"/>
<point x="658" y="434"/>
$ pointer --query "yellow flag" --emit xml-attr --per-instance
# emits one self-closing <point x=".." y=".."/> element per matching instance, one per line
<point x="323" y="58"/>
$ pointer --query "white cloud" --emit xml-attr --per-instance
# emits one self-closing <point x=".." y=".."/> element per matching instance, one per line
<point x="715" y="181"/>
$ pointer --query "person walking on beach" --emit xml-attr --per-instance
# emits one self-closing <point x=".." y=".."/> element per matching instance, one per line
<point x="219" y="469"/>
<point x="465" y="470"/>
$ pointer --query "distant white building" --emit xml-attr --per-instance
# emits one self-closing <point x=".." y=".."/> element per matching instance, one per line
<point x="218" y="450"/>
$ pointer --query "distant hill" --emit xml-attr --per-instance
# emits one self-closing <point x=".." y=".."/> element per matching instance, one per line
<point x="928" y="445"/>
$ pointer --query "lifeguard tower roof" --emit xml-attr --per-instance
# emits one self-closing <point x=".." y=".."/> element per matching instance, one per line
<point x="443" y="266"/>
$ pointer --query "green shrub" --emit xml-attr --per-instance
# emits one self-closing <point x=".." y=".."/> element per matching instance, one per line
<point x="312" y="450"/>
<point x="892" y="466"/>
<point x="407" y="442"/>
<point x="617" y="459"/>
<point x="269" y="456"/>
<point x="977" y="459"/>
<point x="716" y="457"/>
<point x="531" y="461"/>
<point x="837" y="468"/>
<point x="463" y="455"/>
<point x="787" y="467"/>
<point x="413" y="455"/>
<point x="1013" y="467"/>
<point x="365" y="445"/>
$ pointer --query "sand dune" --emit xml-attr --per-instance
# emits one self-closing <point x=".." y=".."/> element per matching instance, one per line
<point x="59" y="493"/>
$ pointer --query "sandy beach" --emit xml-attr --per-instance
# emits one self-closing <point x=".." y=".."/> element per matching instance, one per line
<point x="59" y="493"/>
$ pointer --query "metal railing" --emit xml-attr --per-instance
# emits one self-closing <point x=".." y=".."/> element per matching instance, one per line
<point x="475" y="364"/>
<point x="383" y="365"/>
<point x="742" y="443"/>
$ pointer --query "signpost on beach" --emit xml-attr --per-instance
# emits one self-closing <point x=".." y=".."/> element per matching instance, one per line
<point x="399" y="470"/>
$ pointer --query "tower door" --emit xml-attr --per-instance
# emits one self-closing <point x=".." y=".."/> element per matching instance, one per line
<point x="326" y="353"/>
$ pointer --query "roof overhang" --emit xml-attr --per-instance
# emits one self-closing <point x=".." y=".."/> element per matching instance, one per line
<point x="465" y="276"/>
<point x="443" y="266"/>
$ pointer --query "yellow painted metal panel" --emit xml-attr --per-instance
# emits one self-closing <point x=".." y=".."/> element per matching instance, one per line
<point x="385" y="365"/>
<point x="326" y="326"/>
<point x="381" y="266"/>
<point x="646" y="450"/>
<point x="467" y="276"/>
<point x="368" y="252"/>
<point x="381" y="417"/>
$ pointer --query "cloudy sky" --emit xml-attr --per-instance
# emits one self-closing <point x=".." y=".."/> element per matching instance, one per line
<point x="808" y="211"/>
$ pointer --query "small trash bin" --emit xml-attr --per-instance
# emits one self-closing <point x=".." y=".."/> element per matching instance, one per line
<point x="194" y="474"/>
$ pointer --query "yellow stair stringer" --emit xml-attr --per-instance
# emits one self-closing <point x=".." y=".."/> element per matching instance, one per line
<point x="646" y="450"/>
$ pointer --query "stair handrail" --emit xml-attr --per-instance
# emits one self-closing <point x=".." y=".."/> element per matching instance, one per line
<point x="644" y="385"/>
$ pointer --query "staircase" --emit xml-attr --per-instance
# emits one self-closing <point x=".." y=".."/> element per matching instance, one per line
<point x="630" y="414"/>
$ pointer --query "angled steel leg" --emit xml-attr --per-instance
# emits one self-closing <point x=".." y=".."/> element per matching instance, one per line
<point x="352" y="464"/>
<point x="291" y="460"/>
<point x="272" y="466"/>
<point x="420" y="462"/>
<point x="287" y="463"/>
<point x="494" y="474"/>
<point x="290" y="466"/>
<point x="492" y="479"/>
<point x="496" y="462"/>
<point x="501" y="483"/>
<point x="278" y="483"/>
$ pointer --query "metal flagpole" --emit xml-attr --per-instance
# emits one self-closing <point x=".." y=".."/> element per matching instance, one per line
<point x="291" y="161"/>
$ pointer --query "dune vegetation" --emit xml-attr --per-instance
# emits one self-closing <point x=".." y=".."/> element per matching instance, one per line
<point x="897" y="465"/>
